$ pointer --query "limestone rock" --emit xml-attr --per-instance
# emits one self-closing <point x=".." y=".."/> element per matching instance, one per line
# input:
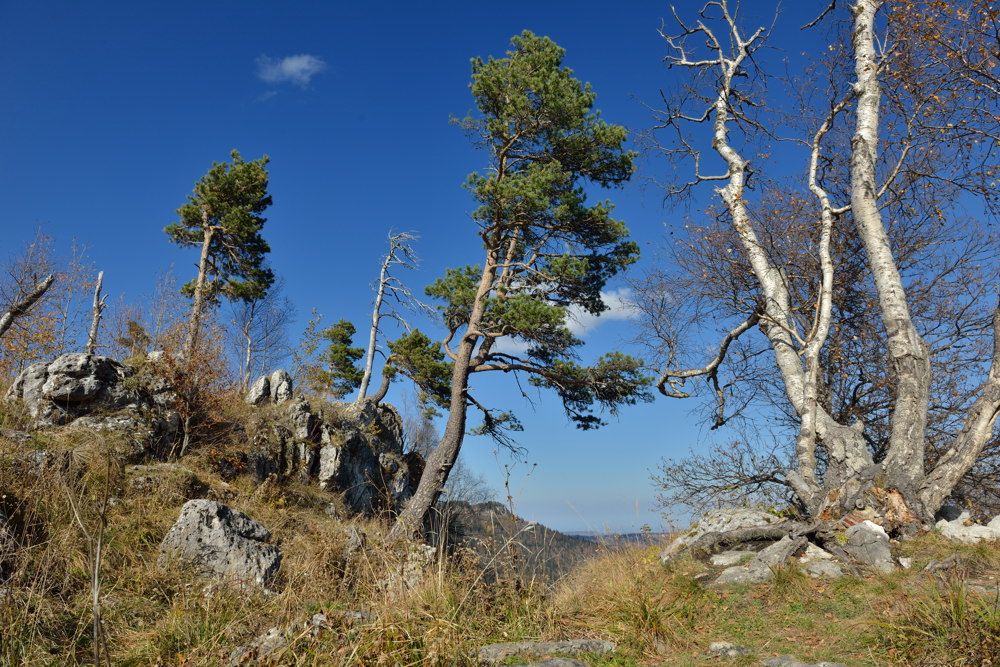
<point x="719" y="521"/>
<point x="823" y="569"/>
<point x="352" y="449"/>
<point x="762" y="567"/>
<point x="496" y="653"/>
<point x="869" y="543"/>
<point x="275" y="388"/>
<point x="727" y="650"/>
<point x="260" y="650"/>
<point x="819" y="563"/>
<point x="74" y="385"/>
<point x="260" y="391"/>
<point x="281" y="387"/>
<point x="958" y="531"/>
<point x="790" y="661"/>
<point x="216" y="541"/>
<point x="729" y="558"/>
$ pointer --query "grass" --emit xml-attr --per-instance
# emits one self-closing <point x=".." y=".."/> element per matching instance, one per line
<point x="655" y="614"/>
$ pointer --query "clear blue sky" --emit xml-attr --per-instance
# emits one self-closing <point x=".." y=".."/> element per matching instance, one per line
<point x="110" y="112"/>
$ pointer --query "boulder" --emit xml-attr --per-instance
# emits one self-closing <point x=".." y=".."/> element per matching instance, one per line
<point x="281" y="387"/>
<point x="260" y="391"/>
<point x="820" y="564"/>
<point x="260" y="650"/>
<point x="823" y="569"/>
<point x="719" y="521"/>
<point x="868" y="543"/>
<point x="275" y="388"/>
<point x="221" y="543"/>
<point x="730" y="558"/>
<point x="727" y="650"/>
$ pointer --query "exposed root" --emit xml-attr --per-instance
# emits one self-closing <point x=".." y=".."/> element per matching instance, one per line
<point x="703" y="547"/>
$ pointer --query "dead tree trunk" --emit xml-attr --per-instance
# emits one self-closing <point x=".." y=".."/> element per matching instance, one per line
<point x="21" y="307"/>
<point x="95" y="321"/>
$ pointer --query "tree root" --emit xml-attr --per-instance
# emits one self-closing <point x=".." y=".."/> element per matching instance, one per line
<point x="703" y="547"/>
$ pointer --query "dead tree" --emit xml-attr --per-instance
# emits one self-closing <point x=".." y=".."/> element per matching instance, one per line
<point x="95" y="321"/>
<point x="399" y="296"/>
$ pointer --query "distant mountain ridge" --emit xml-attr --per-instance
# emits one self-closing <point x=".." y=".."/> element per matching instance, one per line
<point x="507" y="544"/>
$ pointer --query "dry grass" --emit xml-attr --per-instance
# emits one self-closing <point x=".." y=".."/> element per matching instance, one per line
<point x="656" y="615"/>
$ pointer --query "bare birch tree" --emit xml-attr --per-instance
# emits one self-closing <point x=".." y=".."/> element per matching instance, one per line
<point x="857" y="188"/>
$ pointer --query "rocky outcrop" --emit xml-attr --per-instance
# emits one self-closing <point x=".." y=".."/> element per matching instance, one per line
<point x="761" y="568"/>
<point x="275" y="388"/>
<point x="94" y="392"/>
<point x="868" y="543"/>
<point x="352" y="449"/>
<point x="962" y="529"/>
<point x="74" y="385"/>
<point x="218" y="542"/>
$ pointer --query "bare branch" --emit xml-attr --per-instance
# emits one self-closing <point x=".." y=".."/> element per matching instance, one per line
<point x="21" y="307"/>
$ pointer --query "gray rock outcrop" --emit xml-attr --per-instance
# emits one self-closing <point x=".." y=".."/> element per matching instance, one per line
<point x="352" y="449"/>
<point x="221" y="543"/>
<point x="94" y="392"/>
<point x="820" y="564"/>
<point x="275" y="388"/>
<point x="962" y="529"/>
<point x="496" y="653"/>
<point x="73" y="385"/>
<point x="762" y="567"/>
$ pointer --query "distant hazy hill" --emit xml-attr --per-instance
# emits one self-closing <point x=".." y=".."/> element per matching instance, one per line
<point x="613" y="539"/>
<point x="506" y="543"/>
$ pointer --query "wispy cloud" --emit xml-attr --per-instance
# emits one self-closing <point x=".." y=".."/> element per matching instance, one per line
<point x="580" y="322"/>
<point x="298" y="70"/>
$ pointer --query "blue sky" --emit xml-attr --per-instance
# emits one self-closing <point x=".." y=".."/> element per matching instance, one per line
<point x="111" y="111"/>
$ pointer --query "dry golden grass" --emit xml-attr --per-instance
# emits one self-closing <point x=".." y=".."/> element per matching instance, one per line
<point x="656" y="615"/>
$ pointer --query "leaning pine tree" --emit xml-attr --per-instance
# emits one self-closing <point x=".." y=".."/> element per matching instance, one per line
<point x="224" y="219"/>
<point x="545" y="250"/>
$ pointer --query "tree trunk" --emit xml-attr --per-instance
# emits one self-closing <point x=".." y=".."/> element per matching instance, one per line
<point x="904" y="464"/>
<point x="199" y="289"/>
<point x="413" y="518"/>
<point x="95" y="322"/>
<point x="975" y="433"/>
<point x="373" y="334"/>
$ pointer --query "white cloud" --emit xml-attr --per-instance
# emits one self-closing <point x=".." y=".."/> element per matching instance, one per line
<point x="580" y="322"/>
<point x="298" y="69"/>
<point x="620" y="307"/>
